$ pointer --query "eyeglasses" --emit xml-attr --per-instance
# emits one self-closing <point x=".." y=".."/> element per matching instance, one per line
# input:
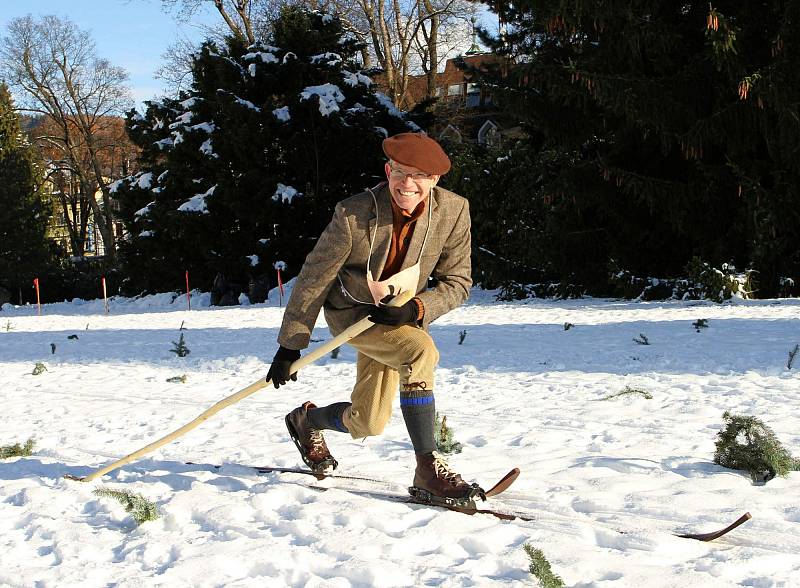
<point x="399" y="174"/>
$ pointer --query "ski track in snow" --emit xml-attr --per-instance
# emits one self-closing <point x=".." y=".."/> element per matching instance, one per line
<point x="607" y="482"/>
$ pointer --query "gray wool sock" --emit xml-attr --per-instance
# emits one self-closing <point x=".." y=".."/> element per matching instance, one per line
<point x="419" y="413"/>
<point x="329" y="417"/>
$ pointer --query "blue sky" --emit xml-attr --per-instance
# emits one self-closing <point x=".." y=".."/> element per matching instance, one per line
<point x="132" y="34"/>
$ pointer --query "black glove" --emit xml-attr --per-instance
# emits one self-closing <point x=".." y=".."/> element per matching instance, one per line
<point x="279" y="370"/>
<point x="395" y="316"/>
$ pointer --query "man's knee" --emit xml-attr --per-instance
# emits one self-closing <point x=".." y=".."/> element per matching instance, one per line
<point x="419" y="348"/>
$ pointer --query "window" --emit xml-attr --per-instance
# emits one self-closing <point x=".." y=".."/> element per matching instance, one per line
<point x="489" y="134"/>
<point x="450" y="133"/>
<point x="454" y="90"/>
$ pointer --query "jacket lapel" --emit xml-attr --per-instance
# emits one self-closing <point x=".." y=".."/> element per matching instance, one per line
<point x="383" y="236"/>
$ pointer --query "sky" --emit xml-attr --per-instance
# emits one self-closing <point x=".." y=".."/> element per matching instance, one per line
<point x="132" y="34"/>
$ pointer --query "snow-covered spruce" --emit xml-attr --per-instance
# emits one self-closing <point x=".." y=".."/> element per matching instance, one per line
<point x="251" y="161"/>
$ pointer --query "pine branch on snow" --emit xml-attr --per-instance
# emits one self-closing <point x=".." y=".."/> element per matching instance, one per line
<point x="748" y="444"/>
<point x="180" y="349"/>
<point x="792" y="355"/>
<point x="16" y="450"/>
<point x="141" y="509"/>
<point x="445" y="443"/>
<point x="628" y="391"/>
<point x="540" y="568"/>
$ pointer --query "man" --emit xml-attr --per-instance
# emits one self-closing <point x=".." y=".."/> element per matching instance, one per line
<point x="381" y="242"/>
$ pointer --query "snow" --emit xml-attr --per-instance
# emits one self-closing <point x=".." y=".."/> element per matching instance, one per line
<point x="163" y="143"/>
<point x="285" y="193"/>
<point x="247" y="103"/>
<point x="326" y="58"/>
<point x="145" y="181"/>
<point x="208" y="149"/>
<point x="282" y="114"/>
<point x="143" y="211"/>
<point x="205" y="127"/>
<point x="182" y="120"/>
<point x="253" y="260"/>
<point x="190" y="102"/>
<point x="263" y="56"/>
<point x="115" y="185"/>
<point x="607" y="482"/>
<point x="354" y="79"/>
<point x="329" y="97"/>
<point x="197" y="203"/>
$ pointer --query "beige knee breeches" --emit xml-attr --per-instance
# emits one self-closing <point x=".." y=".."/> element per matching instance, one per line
<point x="388" y="358"/>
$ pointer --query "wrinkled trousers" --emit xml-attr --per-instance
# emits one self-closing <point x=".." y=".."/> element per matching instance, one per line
<point x="389" y="359"/>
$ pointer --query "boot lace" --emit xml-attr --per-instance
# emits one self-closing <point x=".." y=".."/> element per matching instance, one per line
<point x="317" y="441"/>
<point x="443" y="470"/>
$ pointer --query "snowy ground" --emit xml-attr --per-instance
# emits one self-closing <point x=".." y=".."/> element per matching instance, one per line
<point x="607" y="482"/>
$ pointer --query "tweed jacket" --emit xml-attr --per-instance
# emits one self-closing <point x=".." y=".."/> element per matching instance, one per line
<point x="342" y="251"/>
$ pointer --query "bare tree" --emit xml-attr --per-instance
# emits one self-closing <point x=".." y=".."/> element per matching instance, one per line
<point x="176" y="65"/>
<point x="52" y="65"/>
<point x="405" y="37"/>
<point x="245" y="19"/>
<point x="400" y="37"/>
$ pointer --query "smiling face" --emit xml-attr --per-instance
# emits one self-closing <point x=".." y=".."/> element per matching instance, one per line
<point x="408" y="185"/>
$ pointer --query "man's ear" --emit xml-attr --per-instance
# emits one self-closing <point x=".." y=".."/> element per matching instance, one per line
<point x="435" y="180"/>
<point x="387" y="169"/>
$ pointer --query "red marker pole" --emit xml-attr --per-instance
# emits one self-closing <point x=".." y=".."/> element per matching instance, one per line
<point x="188" y="298"/>
<point x="105" y="295"/>
<point x="38" y="299"/>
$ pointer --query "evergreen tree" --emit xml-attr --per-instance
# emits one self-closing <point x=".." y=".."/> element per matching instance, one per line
<point x="245" y="169"/>
<point x="24" y="250"/>
<point x="663" y="130"/>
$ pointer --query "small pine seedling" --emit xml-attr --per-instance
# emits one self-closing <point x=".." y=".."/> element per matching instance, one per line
<point x="568" y="326"/>
<point x="335" y="352"/>
<point x="9" y="326"/>
<point x="792" y="355"/>
<point x="72" y="337"/>
<point x="628" y="391"/>
<point x="700" y="324"/>
<point x="444" y="437"/>
<point x="461" y="336"/>
<point x="39" y="368"/>
<point x="16" y="450"/>
<point x="141" y="509"/>
<point x="180" y="348"/>
<point x="53" y="348"/>
<point x="177" y="379"/>
<point x="748" y="444"/>
<point x="642" y="340"/>
<point x="540" y="568"/>
<point x="181" y="328"/>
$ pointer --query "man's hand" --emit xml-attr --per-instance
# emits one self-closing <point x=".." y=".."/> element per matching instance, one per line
<point x="279" y="370"/>
<point x="395" y="316"/>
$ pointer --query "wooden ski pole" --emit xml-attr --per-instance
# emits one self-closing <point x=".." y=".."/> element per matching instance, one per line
<point x="305" y="360"/>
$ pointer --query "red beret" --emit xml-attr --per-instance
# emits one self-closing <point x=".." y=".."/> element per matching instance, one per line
<point x="417" y="150"/>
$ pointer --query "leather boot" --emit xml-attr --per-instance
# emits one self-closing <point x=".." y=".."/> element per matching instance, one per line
<point x="434" y="475"/>
<point x="309" y="441"/>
